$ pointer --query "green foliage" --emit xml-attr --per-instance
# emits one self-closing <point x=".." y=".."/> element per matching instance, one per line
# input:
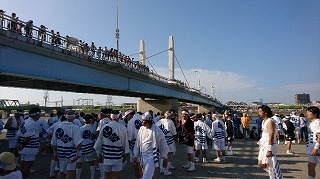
<point x="292" y="107"/>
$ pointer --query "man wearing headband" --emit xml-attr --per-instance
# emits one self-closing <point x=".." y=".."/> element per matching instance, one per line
<point x="169" y="130"/>
<point x="128" y="115"/>
<point x="54" y="162"/>
<point x="218" y="132"/>
<point x="29" y="141"/>
<point x="66" y="142"/>
<point x="133" y="127"/>
<point x="202" y="131"/>
<point x="88" y="133"/>
<point x="112" y="146"/>
<point x="150" y="145"/>
<point x="12" y="127"/>
<point x="104" y="119"/>
<point x="188" y="126"/>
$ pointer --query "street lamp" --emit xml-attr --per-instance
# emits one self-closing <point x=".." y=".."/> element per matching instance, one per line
<point x="199" y="86"/>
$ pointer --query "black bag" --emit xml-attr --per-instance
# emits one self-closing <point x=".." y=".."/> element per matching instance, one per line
<point x="183" y="136"/>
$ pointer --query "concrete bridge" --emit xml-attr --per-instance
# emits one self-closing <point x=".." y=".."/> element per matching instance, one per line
<point x="40" y="59"/>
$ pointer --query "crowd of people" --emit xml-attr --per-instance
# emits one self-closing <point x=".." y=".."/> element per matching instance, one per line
<point x="90" y="51"/>
<point x="113" y="140"/>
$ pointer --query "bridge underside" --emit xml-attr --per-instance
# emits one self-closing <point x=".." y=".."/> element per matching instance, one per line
<point x="55" y="85"/>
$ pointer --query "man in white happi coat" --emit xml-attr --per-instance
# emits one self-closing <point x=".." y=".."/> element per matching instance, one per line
<point x="29" y="141"/>
<point x="104" y="119"/>
<point x="66" y="142"/>
<point x="133" y="127"/>
<point x="150" y="145"/>
<point x="12" y="125"/>
<point x="169" y="130"/>
<point x="112" y="146"/>
<point x="218" y="133"/>
<point x="202" y="131"/>
<point x="88" y="133"/>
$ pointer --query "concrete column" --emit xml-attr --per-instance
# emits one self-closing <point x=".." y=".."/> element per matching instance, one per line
<point x="171" y="58"/>
<point x="161" y="105"/>
<point x="142" y="53"/>
<point x="206" y="109"/>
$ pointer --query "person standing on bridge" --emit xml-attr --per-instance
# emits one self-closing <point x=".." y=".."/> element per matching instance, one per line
<point x="313" y="144"/>
<point x="268" y="142"/>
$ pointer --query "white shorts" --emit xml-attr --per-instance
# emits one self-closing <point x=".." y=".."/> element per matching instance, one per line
<point x="86" y="158"/>
<point x="263" y="153"/>
<point x="189" y="150"/>
<point x="65" y="165"/>
<point x="172" y="148"/>
<point x="314" y="159"/>
<point x="198" y="145"/>
<point x="112" y="168"/>
<point x="28" y="157"/>
<point x="13" y="143"/>
<point x="218" y="145"/>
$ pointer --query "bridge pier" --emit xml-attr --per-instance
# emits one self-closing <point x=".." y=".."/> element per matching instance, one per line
<point x="206" y="109"/>
<point x="157" y="105"/>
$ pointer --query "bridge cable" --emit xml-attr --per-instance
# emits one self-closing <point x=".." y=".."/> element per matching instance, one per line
<point x="181" y="70"/>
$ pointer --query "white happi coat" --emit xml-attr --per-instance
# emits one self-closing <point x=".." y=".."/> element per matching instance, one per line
<point x="154" y="144"/>
<point x="112" y="143"/>
<point x="88" y="133"/>
<point x="66" y="137"/>
<point x="29" y="128"/>
<point x="202" y="130"/>
<point x="169" y="130"/>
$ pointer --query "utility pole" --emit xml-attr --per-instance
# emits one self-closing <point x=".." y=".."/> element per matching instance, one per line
<point x="46" y="97"/>
<point x="117" y="32"/>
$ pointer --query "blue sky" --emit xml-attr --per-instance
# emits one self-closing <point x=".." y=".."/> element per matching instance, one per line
<point x="249" y="50"/>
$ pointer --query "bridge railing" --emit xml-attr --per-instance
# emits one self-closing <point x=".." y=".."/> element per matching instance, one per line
<point x="41" y="36"/>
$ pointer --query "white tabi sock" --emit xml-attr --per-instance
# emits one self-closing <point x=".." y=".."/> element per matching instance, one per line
<point x="92" y="171"/>
<point x="78" y="173"/>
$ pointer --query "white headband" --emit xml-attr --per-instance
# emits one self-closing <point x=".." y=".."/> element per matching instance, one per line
<point x="34" y="114"/>
<point x="115" y="116"/>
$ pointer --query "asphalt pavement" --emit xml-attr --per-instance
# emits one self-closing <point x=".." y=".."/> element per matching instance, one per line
<point x="243" y="165"/>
